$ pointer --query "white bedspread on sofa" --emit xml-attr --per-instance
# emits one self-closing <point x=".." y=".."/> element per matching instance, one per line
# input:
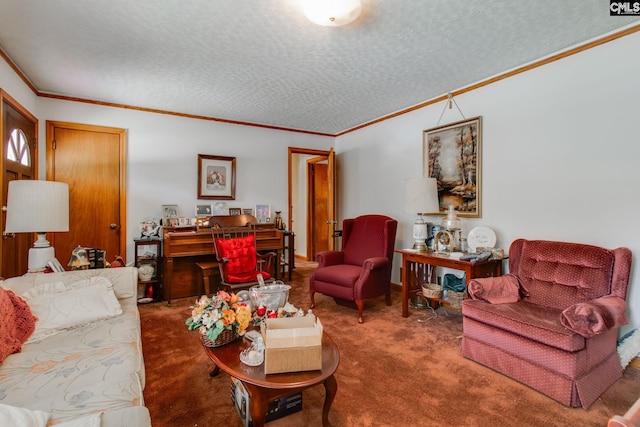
<point x="96" y="367"/>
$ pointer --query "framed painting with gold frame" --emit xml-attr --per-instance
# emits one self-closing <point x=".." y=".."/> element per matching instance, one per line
<point x="452" y="154"/>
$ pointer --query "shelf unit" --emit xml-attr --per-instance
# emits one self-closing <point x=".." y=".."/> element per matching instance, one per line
<point x="148" y="255"/>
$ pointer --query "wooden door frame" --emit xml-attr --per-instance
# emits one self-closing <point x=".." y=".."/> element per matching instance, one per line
<point x="8" y="99"/>
<point x="291" y="152"/>
<point x="122" y="135"/>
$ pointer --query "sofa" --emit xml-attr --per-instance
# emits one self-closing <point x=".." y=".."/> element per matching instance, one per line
<point x="83" y="362"/>
<point x="551" y="323"/>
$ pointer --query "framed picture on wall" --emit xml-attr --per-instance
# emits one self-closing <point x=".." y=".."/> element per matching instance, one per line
<point x="452" y="154"/>
<point x="203" y="210"/>
<point x="216" y="177"/>
<point x="263" y="213"/>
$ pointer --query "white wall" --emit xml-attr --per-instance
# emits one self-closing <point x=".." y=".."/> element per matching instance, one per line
<point x="560" y="156"/>
<point x="162" y="155"/>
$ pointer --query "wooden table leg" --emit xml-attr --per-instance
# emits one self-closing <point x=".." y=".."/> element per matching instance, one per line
<point x="258" y="405"/>
<point x="405" y="287"/>
<point x="215" y="372"/>
<point x="330" y="387"/>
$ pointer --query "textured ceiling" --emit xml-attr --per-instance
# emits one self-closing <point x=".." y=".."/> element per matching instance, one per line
<point x="262" y="62"/>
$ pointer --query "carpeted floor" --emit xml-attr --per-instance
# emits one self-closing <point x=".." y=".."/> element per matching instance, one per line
<point x="393" y="372"/>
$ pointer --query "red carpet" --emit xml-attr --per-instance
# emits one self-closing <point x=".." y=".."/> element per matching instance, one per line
<point x="393" y="372"/>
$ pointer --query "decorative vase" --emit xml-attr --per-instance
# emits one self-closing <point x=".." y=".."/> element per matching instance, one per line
<point x="145" y="272"/>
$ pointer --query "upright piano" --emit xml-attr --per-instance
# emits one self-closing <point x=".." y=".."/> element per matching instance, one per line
<point x="184" y="247"/>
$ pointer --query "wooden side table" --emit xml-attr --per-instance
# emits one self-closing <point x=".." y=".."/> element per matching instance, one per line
<point x="413" y="269"/>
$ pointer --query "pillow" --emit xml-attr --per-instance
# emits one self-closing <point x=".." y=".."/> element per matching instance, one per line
<point x="23" y="417"/>
<point x="594" y="317"/>
<point x="497" y="290"/>
<point x="17" y="323"/>
<point x="59" y="308"/>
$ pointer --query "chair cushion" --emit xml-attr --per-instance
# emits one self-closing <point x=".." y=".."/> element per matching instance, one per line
<point x="535" y="322"/>
<point x="340" y="274"/>
<point x="247" y="276"/>
<point x="561" y="274"/>
<point x="240" y="253"/>
<point x="366" y="239"/>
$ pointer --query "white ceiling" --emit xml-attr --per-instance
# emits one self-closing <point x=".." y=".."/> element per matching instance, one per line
<point x="262" y="62"/>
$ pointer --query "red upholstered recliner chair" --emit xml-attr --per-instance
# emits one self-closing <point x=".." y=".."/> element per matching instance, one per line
<point x="362" y="269"/>
<point x="552" y="322"/>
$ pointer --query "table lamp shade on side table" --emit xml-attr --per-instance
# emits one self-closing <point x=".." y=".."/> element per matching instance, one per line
<point x="35" y="206"/>
<point x="420" y="196"/>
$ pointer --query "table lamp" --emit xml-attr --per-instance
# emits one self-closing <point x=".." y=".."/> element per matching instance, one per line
<point x="35" y="206"/>
<point x="420" y="196"/>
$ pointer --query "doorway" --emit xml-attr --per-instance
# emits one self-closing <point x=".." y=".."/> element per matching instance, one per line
<point x="311" y="213"/>
<point x="92" y="160"/>
<point x="19" y="161"/>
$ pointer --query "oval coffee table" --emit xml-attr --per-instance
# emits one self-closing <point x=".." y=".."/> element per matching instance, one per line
<point x="263" y="388"/>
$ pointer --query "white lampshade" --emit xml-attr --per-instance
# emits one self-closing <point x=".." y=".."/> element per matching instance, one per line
<point x="38" y="207"/>
<point x="333" y="13"/>
<point x="420" y="196"/>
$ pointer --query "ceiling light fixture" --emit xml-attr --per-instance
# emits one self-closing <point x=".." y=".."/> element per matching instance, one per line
<point x="331" y="13"/>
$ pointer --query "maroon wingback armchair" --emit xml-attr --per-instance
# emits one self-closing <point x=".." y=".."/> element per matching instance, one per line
<point x="552" y="322"/>
<point x="362" y="269"/>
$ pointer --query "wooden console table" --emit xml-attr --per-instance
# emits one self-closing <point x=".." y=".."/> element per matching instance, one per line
<point x="413" y="269"/>
<point x="183" y="249"/>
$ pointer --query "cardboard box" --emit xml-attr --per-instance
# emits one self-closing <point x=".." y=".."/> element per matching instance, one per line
<point x="276" y="410"/>
<point x="292" y="344"/>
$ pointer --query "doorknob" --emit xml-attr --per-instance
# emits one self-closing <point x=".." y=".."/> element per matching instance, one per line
<point x="332" y="222"/>
<point x="113" y="226"/>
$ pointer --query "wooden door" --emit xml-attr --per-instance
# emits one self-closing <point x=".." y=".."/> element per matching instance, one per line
<point x="19" y="161"/>
<point x="91" y="159"/>
<point x="318" y="224"/>
<point x="328" y="198"/>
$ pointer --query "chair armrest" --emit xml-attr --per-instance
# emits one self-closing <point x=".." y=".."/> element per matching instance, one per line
<point x="596" y="316"/>
<point x="375" y="262"/>
<point x="326" y="258"/>
<point x="496" y="290"/>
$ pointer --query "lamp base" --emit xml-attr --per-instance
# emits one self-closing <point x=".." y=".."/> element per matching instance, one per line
<point x="420" y="246"/>
<point x="39" y="257"/>
<point x="420" y="234"/>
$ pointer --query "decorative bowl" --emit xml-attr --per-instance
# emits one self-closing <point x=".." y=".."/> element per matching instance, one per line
<point x="272" y="296"/>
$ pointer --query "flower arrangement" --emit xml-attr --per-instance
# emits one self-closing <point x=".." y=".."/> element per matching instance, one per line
<point x="223" y="311"/>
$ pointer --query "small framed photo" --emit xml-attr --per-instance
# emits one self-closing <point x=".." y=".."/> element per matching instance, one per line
<point x="203" y="210"/>
<point x="169" y="212"/>
<point x="235" y="211"/>
<point x="263" y="213"/>
<point x="247" y="211"/>
<point x="216" y="177"/>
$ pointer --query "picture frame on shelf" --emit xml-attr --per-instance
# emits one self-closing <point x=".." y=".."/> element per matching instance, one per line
<point x="453" y="155"/>
<point x="203" y="210"/>
<point x="169" y="212"/>
<point x="235" y="211"/>
<point x="216" y="177"/>
<point x="247" y="211"/>
<point x="263" y="213"/>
